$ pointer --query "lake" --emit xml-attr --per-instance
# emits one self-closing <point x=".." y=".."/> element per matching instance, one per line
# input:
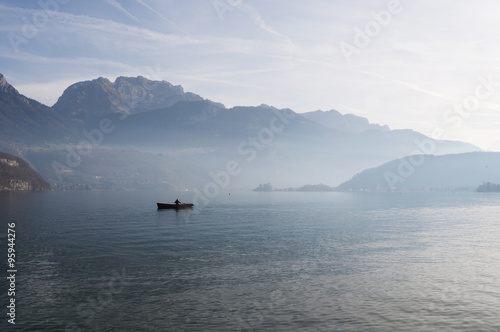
<point x="247" y="261"/>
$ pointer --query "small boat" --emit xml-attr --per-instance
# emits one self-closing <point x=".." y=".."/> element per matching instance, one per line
<point x="175" y="206"/>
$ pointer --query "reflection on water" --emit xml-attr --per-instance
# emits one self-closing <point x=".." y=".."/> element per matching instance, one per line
<point x="257" y="261"/>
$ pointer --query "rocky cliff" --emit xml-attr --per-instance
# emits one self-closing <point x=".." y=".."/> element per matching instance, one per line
<point x="17" y="174"/>
<point x="84" y="101"/>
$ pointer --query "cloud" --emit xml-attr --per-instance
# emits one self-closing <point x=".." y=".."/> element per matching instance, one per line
<point x="84" y="25"/>
<point x="119" y="7"/>
<point x="77" y="61"/>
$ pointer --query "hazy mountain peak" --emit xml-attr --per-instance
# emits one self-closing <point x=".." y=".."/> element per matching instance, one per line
<point x="332" y="111"/>
<point x="100" y="97"/>
<point x="266" y="106"/>
<point x="25" y="120"/>
<point x="12" y="94"/>
<point x="141" y="80"/>
<point x="5" y="87"/>
<point x="3" y="81"/>
<point x="348" y="123"/>
<point x="84" y="100"/>
<point x="103" y="80"/>
<point x="462" y="171"/>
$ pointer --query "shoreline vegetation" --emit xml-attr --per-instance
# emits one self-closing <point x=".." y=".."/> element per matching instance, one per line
<point x="488" y="187"/>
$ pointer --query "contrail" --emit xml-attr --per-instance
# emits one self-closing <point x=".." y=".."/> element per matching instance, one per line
<point x="257" y="18"/>
<point x="161" y="16"/>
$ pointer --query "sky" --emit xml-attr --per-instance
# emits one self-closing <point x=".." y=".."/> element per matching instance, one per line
<point x="430" y="65"/>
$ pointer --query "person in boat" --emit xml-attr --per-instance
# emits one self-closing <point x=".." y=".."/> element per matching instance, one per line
<point x="177" y="202"/>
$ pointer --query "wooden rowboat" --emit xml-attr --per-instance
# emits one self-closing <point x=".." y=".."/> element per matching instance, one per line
<point x="175" y="206"/>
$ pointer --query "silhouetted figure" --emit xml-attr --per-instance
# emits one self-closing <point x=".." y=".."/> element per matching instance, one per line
<point x="177" y="202"/>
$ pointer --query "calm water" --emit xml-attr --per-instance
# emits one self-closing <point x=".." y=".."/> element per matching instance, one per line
<point x="109" y="261"/>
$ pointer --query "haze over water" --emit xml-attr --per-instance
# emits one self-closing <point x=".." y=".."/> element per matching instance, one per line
<point x="257" y="261"/>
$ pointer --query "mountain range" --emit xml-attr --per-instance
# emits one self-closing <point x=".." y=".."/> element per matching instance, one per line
<point x="138" y="133"/>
